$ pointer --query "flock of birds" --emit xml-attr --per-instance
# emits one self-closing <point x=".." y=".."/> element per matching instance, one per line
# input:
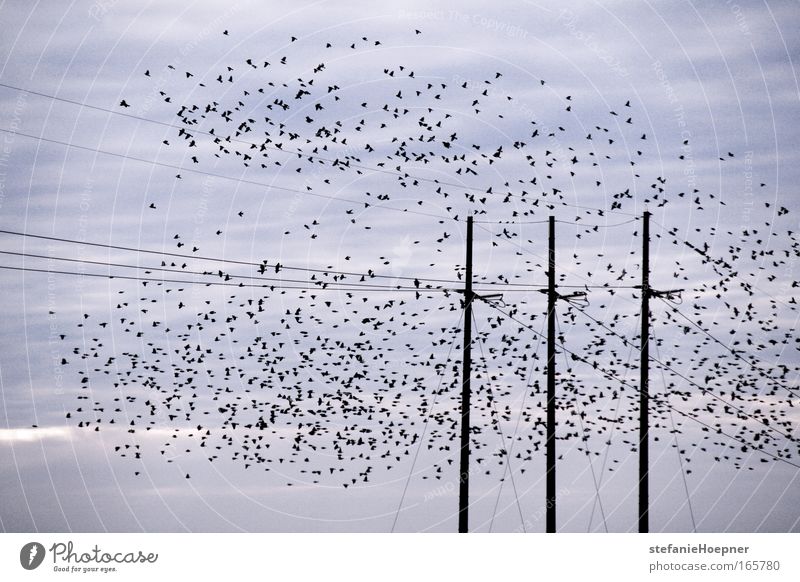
<point x="336" y="374"/>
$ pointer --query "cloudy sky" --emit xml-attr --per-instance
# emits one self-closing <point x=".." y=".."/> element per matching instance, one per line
<point x="592" y="113"/>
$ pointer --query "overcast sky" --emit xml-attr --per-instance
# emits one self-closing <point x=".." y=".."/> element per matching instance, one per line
<point x="704" y="96"/>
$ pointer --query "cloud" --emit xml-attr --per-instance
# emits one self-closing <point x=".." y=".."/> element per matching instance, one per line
<point x="27" y="435"/>
<point x="98" y="54"/>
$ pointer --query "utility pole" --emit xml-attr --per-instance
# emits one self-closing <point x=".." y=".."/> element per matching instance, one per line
<point x="644" y="394"/>
<point x="463" y="489"/>
<point x="644" y="380"/>
<point x="550" y="493"/>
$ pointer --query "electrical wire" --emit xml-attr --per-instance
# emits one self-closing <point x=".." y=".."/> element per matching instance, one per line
<point x="612" y="429"/>
<point x="425" y="422"/>
<point x="480" y="342"/>
<point x="598" y="497"/>
<point x="731" y="274"/>
<point x="226" y="276"/>
<point x="223" y="176"/>
<point x="300" y="153"/>
<point x="616" y="378"/>
<point x="693" y="383"/>
<point x="516" y="425"/>
<point x="216" y="283"/>
<point x="731" y="350"/>
<point x="280" y="266"/>
<point x="677" y="444"/>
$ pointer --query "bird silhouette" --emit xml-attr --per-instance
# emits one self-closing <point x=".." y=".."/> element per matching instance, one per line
<point x="336" y="370"/>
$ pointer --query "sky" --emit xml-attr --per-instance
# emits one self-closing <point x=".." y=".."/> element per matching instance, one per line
<point x="593" y="113"/>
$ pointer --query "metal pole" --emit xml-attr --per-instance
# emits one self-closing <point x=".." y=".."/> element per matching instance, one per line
<point x="644" y="396"/>
<point x="550" y="506"/>
<point x="463" y="489"/>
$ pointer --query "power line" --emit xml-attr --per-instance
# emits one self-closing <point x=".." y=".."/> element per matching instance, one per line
<point x="579" y="223"/>
<point x="576" y="222"/>
<point x="220" y="259"/>
<point x="613" y="428"/>
<point x="516" y="425"/>
<point x="692" y="382"/>
<point x="584" y="286"/>
<point x="280" y="266"/>
<point x="507" y="452"/>
<point x="366" y="287"/>
<point x="427" y="417"/>
<point x="736" y="353"/>
<point x="302" y="154"/>
<point x="718" y="262"/>
<point x="677" y="444"/>
<point x="612" y="376"/>
<point x="598" y="497"/>
<point x="325" y="286"/>
<point x="217" y="283"/>
<point x="313" y="285"/>
<point x="222" y="176"/>
<point x="219" y="274"/>
<point x="298" y="153"/>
